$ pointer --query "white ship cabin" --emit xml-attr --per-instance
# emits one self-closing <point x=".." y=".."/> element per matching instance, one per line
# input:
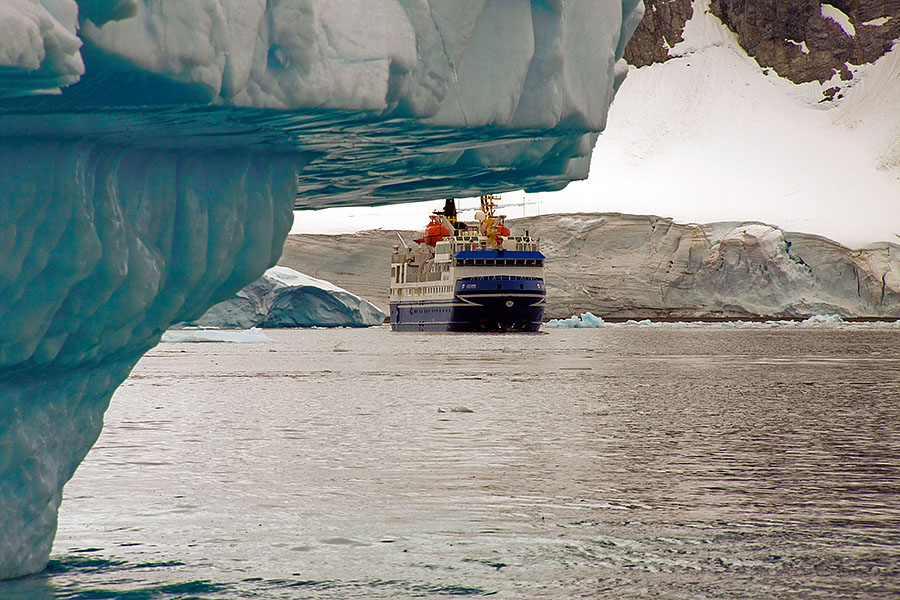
<point x="429" y="273"/>
<point x="451" y="249"/>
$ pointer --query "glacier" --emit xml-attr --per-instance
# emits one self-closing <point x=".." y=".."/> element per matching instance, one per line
<point x="283" y="297"/>
<point x="151" y="154"/>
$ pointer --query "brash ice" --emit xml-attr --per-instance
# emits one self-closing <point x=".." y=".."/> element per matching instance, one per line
<point x="151" y="153"/>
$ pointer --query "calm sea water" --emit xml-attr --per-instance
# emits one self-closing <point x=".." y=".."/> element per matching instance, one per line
<point x="623" y="462"/>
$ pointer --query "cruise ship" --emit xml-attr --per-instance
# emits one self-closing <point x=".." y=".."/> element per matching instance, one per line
<point x="473" y="276"/>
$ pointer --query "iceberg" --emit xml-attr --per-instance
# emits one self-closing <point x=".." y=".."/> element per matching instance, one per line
<point x="151" y="153"/>
<point x="822" y="320"/>
<point x="283" y="297"/>
<point x="587" y="320"/>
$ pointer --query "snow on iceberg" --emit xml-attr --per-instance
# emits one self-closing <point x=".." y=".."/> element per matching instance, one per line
<point x="151" y="153"/>
<point x="283" y="297"/>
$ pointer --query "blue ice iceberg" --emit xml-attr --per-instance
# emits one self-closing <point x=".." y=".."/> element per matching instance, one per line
<point x="151" y="153"/>
<point x="283" y="297"/>
<point x="587" y="320"/>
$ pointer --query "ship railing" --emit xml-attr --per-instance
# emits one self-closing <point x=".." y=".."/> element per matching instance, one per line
<point x="422" y="277"/>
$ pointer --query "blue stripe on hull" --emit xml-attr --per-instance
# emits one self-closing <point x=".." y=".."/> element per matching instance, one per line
<point x="466" y="318"/>
<point x="480" y="304"/>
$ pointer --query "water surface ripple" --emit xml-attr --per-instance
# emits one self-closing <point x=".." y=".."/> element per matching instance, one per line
<point x="612" y="463"/>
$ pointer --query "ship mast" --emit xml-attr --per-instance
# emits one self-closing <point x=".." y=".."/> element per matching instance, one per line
<point x="489" y="222"/>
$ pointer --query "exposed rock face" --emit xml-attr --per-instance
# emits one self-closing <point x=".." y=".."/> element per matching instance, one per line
<point x="659" y="30"/>
<point x="625" y="266"/>
<point x="796" y="38"/>
<point x="767" y="28"/>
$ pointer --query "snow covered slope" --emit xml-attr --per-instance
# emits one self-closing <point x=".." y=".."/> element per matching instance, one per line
<point x="283" y="297"/>
<point x="151" y="152"/>
<point x="713" y="136"/>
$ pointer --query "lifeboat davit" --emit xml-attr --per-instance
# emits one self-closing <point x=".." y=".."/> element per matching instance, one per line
<point x="435" y="232"/>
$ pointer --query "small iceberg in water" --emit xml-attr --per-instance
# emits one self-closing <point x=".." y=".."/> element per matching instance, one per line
<point x="820" y="320"/>
<point x="587" y="320"/>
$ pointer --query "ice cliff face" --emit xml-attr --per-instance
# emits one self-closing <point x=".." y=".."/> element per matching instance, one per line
<point x="151" y="153"/>
<point x="629" y="266"/>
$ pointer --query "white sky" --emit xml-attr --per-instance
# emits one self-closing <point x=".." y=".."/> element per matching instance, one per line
<point x="708" y="137"/>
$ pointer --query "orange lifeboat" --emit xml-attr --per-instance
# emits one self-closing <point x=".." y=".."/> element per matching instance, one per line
<point x="503" y="230"/>
<point x="435" y="232"/>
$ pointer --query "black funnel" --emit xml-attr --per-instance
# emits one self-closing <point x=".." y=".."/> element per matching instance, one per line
<point x="450" y="209"/>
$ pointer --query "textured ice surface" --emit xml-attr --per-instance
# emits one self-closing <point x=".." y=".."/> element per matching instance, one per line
<point x="151" y="152"/>
<point x="103" y="248"/>
<point x="285" y="298"/>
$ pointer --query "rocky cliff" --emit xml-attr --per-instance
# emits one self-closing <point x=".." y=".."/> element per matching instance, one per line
<point x="801" y="40"/>
<point x="626" y="266"/>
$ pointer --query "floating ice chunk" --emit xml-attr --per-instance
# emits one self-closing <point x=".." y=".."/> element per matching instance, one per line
<point x="245" y="336"/>
<point x="586" y="321"/>
<point x="819" y="320"/>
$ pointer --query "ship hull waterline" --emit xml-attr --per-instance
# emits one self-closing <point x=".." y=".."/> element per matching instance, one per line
<point x="474" y="310"/>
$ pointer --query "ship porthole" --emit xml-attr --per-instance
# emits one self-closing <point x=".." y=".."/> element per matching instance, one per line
<point x="509" y="303"/>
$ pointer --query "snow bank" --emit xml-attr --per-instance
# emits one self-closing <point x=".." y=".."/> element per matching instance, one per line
<point x="285" y="298"/>
<point x="840" y="17"/>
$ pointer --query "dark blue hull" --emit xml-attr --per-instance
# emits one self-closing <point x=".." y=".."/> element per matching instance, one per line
<point x="492" y="303"/>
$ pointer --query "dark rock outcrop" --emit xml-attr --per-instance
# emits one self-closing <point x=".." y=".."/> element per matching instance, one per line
<point x="792" y="37"/>
<point x="659" y="30"/>
<point x="767" y="28"/>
